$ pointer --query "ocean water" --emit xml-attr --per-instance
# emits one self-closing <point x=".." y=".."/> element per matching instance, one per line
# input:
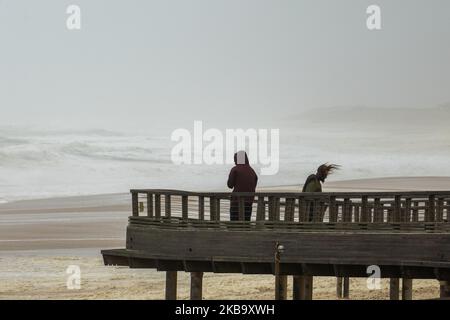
<point x="49" y="163"/>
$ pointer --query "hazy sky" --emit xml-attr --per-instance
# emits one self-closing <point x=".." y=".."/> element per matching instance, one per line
<point x="135" y="63"/>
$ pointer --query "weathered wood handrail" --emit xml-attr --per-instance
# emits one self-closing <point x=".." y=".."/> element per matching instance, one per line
<point x="336" y="207"/>
<point x="422" y="194"/>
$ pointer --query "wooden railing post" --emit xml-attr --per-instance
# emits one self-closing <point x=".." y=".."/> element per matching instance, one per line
<point x="378" y="214"/>
<point x="289" y="210"/>
<point x="302" y="210"/>
<point x="346" y="214"/>
<point x="397" y="209"/>
<point x="440" y="210"/>
<point x="168" y="205"/>
<point x="261" y="209"/>
<point x="408" y="216"/>
<point x="150" y="205"/>
<point x="135" y="204"/>
<point x="415" y="212"/>
<point x="358" y="212"/>
<point x="157" y="206"/>
<point x="184" y="207"/>
<point x="431" y="209"/>
<point x="277" y="209"/>
<point x="271" y="208"/>
<point x="212" y="208"/>
<point x="447" y="210"/>
<point x="217" y="199"/>
<point x="364" y="209"/>
<point x="201" y="208"/>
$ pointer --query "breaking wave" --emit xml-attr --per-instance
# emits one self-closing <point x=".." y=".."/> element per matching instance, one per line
<point x="44" y="163"/>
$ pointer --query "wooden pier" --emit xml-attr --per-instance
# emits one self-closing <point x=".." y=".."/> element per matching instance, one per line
<point x="405" y="234"/>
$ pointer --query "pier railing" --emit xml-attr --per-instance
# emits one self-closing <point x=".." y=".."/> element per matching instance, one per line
<point x="336" y="207"/>
<point x="405" y="234"/>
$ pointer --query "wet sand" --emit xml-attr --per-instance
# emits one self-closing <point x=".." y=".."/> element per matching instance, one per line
<point x="39" y="239"/>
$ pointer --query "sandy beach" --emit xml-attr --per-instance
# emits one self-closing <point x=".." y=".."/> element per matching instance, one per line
<point x="39" y="239"/>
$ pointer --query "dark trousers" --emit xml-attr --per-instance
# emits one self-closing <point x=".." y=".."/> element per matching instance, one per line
<point x="234" y="211"/>
<point x="316" y="211"/>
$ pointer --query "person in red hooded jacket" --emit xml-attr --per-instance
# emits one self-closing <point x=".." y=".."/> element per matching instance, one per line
<point x="242" y="178"/>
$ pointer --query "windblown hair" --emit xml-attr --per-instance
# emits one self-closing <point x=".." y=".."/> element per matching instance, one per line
<point x="326" y="168"/>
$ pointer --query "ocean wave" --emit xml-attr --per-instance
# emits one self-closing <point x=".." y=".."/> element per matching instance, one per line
<point x="6" y="141"/>
<point x="46" y="165"/>
<point x="21" y="131"/>
<point x="57" y="148"/>
<point x="115" y="151"/>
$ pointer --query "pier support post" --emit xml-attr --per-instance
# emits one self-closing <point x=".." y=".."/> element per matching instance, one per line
<point x="196" y="285"/>
<point x="407" y="285"/>
<point x="308" y="287"/>
<point x="394" y="289"/>
<point x="302" y="288"/>
<point x="445" y="289"/>
<point x="343" y="287"/>
<point x="346" y="293"/>
<point x="280" y="287"/>
<point x="171" y="285"/>
<point x="339" y="287"/>
<point x="296" y="288"/>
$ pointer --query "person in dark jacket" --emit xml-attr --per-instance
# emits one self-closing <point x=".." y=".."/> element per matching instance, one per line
<point x="314" y="182"/>
<point x="242" y="178"/>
